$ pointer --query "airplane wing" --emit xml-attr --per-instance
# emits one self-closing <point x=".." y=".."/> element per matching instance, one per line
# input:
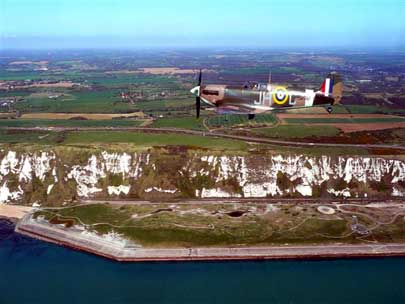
<point x="240" y="109"/>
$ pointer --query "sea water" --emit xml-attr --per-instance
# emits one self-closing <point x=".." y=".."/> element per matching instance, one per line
<point x="32" y="271"/>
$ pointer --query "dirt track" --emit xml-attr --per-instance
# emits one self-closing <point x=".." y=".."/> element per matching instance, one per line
<point x="239" y="200"/>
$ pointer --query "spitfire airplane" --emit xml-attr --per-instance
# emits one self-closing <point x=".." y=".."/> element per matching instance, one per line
<point x="255" y="98"/>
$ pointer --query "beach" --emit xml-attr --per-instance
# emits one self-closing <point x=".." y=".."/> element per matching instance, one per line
<point x="14" y="212"/>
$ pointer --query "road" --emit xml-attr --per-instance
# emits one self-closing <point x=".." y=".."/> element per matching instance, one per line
<point x="255" y="200"/>
<point x="210" y="134"/>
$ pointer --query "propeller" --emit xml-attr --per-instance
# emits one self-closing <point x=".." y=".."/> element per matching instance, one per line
<point x="198" y="98"/>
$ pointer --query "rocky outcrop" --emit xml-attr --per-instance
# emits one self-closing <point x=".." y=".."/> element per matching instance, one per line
<point x="53" y="178"/>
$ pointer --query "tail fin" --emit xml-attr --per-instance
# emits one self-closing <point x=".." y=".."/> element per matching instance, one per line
<point x="332" y="86"/>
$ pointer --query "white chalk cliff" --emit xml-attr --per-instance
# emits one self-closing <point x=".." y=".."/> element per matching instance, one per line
<point x="225" y="176"/>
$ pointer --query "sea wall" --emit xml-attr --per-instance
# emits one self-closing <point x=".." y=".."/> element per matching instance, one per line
<point x="55" y="178"/>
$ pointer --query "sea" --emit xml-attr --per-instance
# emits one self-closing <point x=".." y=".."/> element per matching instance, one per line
<point x="33" y="271"/>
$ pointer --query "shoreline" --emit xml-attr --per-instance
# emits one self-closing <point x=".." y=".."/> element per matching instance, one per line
<point x="123" y="253"/>
<point x="224" y="257"/>
<point x="14" y="213"/>
<point x="10" y="220"/>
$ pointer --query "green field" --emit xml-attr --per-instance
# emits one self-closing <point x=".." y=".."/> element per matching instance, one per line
<point x="182" y="123"/>
<point x="372" y="109"/>
<point x="219" y="121"/>
<point x="110" y="81"/>
<point x="343" y="120"/>
<point x="38" y="137"/>
<point x="77" y="102"/>
<point x="98" y="102"/>
<point x="133" y="141"/>
<point x="157" y="225"/>
<point x="29" y="75"/>
<point x="141" y="140"/>
<point x="32" y="123"/>
<point x="296" y="131"/>
<point x="152" y="140"/>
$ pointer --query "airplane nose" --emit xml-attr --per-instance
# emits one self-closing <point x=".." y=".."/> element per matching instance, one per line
<point x="196" y="91"/>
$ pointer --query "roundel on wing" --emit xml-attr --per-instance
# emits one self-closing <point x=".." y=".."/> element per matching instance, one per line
<point x="280" y="95"/>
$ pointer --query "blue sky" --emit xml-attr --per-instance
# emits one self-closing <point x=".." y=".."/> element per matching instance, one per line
<point x="179" y="23"/>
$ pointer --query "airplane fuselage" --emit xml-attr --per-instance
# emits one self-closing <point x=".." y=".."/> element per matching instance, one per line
<point x="254" y="98"/>
<point x="259" y="99"/>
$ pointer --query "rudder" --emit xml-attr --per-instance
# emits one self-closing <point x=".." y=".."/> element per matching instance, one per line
<point x="333" y="86"/>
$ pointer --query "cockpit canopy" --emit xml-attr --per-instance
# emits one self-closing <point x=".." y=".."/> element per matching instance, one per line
<point x="210" y="92"/>
<point x="253" y="85"/>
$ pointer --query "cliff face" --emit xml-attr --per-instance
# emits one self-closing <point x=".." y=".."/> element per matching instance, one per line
<point x="52" y="178"/>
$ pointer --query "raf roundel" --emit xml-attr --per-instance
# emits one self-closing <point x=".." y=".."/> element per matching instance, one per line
<point x="280" y="95"/>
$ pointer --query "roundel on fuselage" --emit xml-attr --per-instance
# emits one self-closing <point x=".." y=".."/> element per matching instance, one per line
<point x="280" y="95"/>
